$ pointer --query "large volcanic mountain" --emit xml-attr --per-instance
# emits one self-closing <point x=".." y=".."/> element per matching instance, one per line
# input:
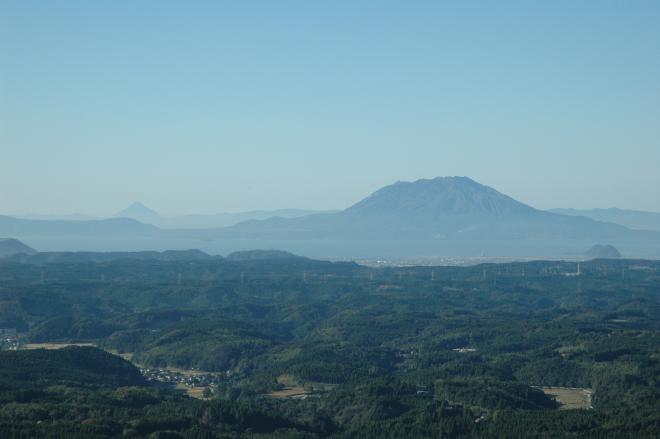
<point x="439" y="208"/>
<point x="439" y="196"/>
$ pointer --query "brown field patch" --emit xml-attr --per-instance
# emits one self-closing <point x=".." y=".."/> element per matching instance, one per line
<point x="193" y="392"/>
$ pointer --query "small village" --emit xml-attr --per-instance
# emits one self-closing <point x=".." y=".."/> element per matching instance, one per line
<point x="187" y="380"/>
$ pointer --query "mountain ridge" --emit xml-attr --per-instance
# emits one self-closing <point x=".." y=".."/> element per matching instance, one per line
<point x="633" y="219"/>
<point x="445" y="215"/>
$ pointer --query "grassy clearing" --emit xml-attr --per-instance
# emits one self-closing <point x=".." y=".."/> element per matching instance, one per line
<point x="570" y="398"/>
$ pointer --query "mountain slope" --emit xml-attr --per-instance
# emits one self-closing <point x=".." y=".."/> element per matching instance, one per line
<point x="9" y="247"/>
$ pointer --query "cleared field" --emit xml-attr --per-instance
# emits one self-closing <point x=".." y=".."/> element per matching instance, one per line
<point x="570" y="398"/>
<point x="289" y="392"/>
<point x="53" y="345"/>
<point x="193" y="392"/>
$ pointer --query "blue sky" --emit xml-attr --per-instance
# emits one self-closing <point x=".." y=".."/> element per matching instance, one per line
<point x="226" y="106"/>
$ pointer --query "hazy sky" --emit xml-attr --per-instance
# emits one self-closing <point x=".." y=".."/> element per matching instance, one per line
<point x="225" y="106"/>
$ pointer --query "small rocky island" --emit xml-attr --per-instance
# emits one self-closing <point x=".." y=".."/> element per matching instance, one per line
<point x="599" y="251"/>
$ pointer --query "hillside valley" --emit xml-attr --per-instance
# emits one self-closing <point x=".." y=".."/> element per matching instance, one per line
<point x="286" y="346"/>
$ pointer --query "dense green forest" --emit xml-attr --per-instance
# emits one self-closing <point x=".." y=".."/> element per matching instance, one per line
<point x="387" y="352"/>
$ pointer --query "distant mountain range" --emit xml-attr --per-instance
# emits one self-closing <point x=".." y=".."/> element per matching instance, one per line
<point x="198" y="221"/>
<point x="448" y="215"/>
<point x="144" y="214"/>
<point x="633" y="219"/>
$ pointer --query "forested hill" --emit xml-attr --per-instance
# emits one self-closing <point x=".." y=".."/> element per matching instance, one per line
<point x="84" y="392"/>
<point x="73" y="366"/>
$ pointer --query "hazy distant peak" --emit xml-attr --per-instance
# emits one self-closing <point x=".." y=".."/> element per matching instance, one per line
<point x="136" y="209"/>
<point x="440" y="196"/>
